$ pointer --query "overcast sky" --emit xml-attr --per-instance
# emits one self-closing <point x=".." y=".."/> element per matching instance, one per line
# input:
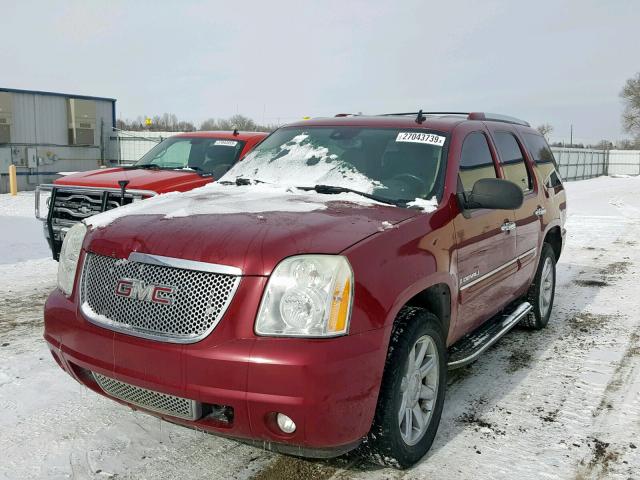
<point x="557" y="62"/>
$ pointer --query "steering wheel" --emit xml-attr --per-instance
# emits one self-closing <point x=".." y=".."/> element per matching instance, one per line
<point x="415" y="183"/>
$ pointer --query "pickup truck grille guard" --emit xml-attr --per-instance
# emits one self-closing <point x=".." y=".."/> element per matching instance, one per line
<point x="69" y="205"/>
<point x="154" y="297"/>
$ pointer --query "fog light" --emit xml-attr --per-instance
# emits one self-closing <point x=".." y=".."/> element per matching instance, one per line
<point x="285" y="423"/>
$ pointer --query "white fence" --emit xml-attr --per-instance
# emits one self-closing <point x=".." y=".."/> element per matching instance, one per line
<point x="624" y="162"/>
<point x="129" y="147"/>
<point x="581" y="163"/>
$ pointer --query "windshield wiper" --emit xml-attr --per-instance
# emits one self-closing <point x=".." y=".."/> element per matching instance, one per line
<point x="241" y="181"/>
<point x="151" y="166"/>
<point x="332" y="189"/>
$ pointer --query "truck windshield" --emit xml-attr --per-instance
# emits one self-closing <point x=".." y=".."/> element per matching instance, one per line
<point x="213" y="156"/>
<point x="398" y="165"/>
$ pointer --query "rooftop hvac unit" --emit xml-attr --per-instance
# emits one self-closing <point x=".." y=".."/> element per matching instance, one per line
<point x="5" y="117"/>
<point x="82" y="121"/>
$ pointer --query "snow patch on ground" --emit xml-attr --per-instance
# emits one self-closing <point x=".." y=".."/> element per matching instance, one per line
<point x="22" y="234"/>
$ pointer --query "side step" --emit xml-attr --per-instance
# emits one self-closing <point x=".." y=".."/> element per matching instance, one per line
<point x="471" y="346"/>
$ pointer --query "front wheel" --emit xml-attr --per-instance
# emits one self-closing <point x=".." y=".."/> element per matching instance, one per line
<point x="542" y="291"/>
<point x="412" y="391"/>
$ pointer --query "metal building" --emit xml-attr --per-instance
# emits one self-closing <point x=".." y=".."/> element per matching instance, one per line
<point x="44" y="133"/>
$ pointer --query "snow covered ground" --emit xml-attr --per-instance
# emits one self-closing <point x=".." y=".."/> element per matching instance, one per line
<point x="561" y="403"/>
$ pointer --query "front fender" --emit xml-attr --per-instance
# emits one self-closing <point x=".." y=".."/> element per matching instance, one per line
<point x="393" y="266"/>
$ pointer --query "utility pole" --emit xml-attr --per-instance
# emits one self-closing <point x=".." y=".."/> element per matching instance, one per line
<point x="571" y="141"/>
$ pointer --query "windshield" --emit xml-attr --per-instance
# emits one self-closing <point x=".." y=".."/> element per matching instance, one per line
<point x="398" y="165"/>
<point x="213" y="156"/>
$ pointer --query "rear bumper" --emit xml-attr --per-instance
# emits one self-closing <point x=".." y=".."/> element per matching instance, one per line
<point x="328" y="387"/>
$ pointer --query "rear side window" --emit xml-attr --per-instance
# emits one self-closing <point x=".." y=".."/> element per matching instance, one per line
<point x="544" y="159"/>
<point x="512" y="160"/>
<point x="476" y="161"/>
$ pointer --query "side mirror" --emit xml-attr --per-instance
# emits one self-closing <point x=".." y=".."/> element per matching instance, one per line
<point x="495" y="193"/>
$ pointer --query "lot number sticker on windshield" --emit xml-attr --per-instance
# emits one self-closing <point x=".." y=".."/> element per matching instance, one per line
<point x="419" y="137"/>
<point x="226" y="143"/>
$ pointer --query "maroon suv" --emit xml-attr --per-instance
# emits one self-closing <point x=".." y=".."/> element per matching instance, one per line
<point x="314" y="298"/>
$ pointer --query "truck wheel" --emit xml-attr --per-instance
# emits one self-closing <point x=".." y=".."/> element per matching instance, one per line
<point x="542" y="290"/>
<point x="412" y="391"/>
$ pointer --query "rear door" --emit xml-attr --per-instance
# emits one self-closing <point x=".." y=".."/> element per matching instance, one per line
<point x="517" y="169"/>
<point x="485" y="241"/>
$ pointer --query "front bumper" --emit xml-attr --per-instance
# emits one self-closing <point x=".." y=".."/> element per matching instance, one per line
<point x="328" y="387"/>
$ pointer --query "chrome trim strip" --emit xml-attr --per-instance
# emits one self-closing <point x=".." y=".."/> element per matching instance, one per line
<point x="487" y="275"/>
<point x="497" y="270"/>
<point x="528" y="253"/>
<point x="507" y="324"/>
<point x="183" y="264"/>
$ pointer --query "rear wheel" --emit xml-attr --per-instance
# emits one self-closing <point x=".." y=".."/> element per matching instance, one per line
<point x="412" y="391"/>
<point x="542" y="291"/>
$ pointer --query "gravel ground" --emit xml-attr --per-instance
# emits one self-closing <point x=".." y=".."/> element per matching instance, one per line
<point x="561" y="403"/>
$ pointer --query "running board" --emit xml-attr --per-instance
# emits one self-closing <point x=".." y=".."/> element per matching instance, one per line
<point x="471" y="346"/>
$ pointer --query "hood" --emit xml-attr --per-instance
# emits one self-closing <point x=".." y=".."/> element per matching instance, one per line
<point x="251" y="228"/>
<point x="158" y="181"/>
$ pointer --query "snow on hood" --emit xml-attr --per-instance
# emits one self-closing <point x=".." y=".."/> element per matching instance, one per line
<point x="217" y="198"/>
<point x="424" y="205"/>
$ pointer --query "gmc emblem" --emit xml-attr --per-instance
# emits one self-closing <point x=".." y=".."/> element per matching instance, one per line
<point x="137" y="289"/>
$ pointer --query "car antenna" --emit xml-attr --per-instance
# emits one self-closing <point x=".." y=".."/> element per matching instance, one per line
<point x="420" y="118"/>
<point x="123" y="189"/>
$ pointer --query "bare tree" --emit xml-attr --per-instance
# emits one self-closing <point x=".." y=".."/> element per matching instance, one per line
<point x="545" y="129"/>
<point x="209" y="124"/>
<point x="237" y="121"/>
<point x="630" y="95"/>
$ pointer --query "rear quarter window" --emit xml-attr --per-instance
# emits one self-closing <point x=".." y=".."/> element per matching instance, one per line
<point x="512" y="160"/>
<point x="543" y="158"/>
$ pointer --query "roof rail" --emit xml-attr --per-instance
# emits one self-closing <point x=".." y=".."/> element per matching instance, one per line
<point x="497" y="117"/>
<point x="493" y="117"/>
<point x="423" y="112"/>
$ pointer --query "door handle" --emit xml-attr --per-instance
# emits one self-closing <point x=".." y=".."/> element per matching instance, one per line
<point x="540" y="211"/>
<point x="508" y="226"/>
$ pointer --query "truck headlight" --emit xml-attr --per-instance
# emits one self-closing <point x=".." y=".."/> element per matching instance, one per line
<point x="69" y="255"/>
<point x="307" y="296"/>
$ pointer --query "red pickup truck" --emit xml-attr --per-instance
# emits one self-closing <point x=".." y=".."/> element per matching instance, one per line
<point x="313" y="299"/>
<point x="179" y="163"/>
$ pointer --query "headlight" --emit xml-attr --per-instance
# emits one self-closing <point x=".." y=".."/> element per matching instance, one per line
<point x="69" y="255"/>
<point x="307" y="296"/>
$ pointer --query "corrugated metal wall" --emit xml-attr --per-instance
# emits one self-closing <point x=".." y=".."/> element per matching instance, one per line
<point x="39" y="121"/>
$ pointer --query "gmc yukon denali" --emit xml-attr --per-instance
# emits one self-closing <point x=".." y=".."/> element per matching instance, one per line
<point x="179" y="163"/>
<point x="313" y="299"/>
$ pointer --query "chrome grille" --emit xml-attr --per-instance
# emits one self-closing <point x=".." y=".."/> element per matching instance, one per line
<point x="199" y="299"/>
<point x="149" y="399"/>
<point x="76" y="204"/>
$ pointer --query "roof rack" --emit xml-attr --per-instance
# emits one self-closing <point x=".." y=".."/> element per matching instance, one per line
<point x="493" y="117"/>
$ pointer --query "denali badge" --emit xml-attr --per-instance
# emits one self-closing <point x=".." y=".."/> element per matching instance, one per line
<point x="470" y="276"/>
<point x="134" y="288"/>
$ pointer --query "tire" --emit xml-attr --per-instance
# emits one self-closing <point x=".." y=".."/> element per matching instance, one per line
<point x="542" y="291"/>
<point x="414" y="329"/>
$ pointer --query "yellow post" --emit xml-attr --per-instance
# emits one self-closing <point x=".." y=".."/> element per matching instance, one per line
<point x="13" y="181"/>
